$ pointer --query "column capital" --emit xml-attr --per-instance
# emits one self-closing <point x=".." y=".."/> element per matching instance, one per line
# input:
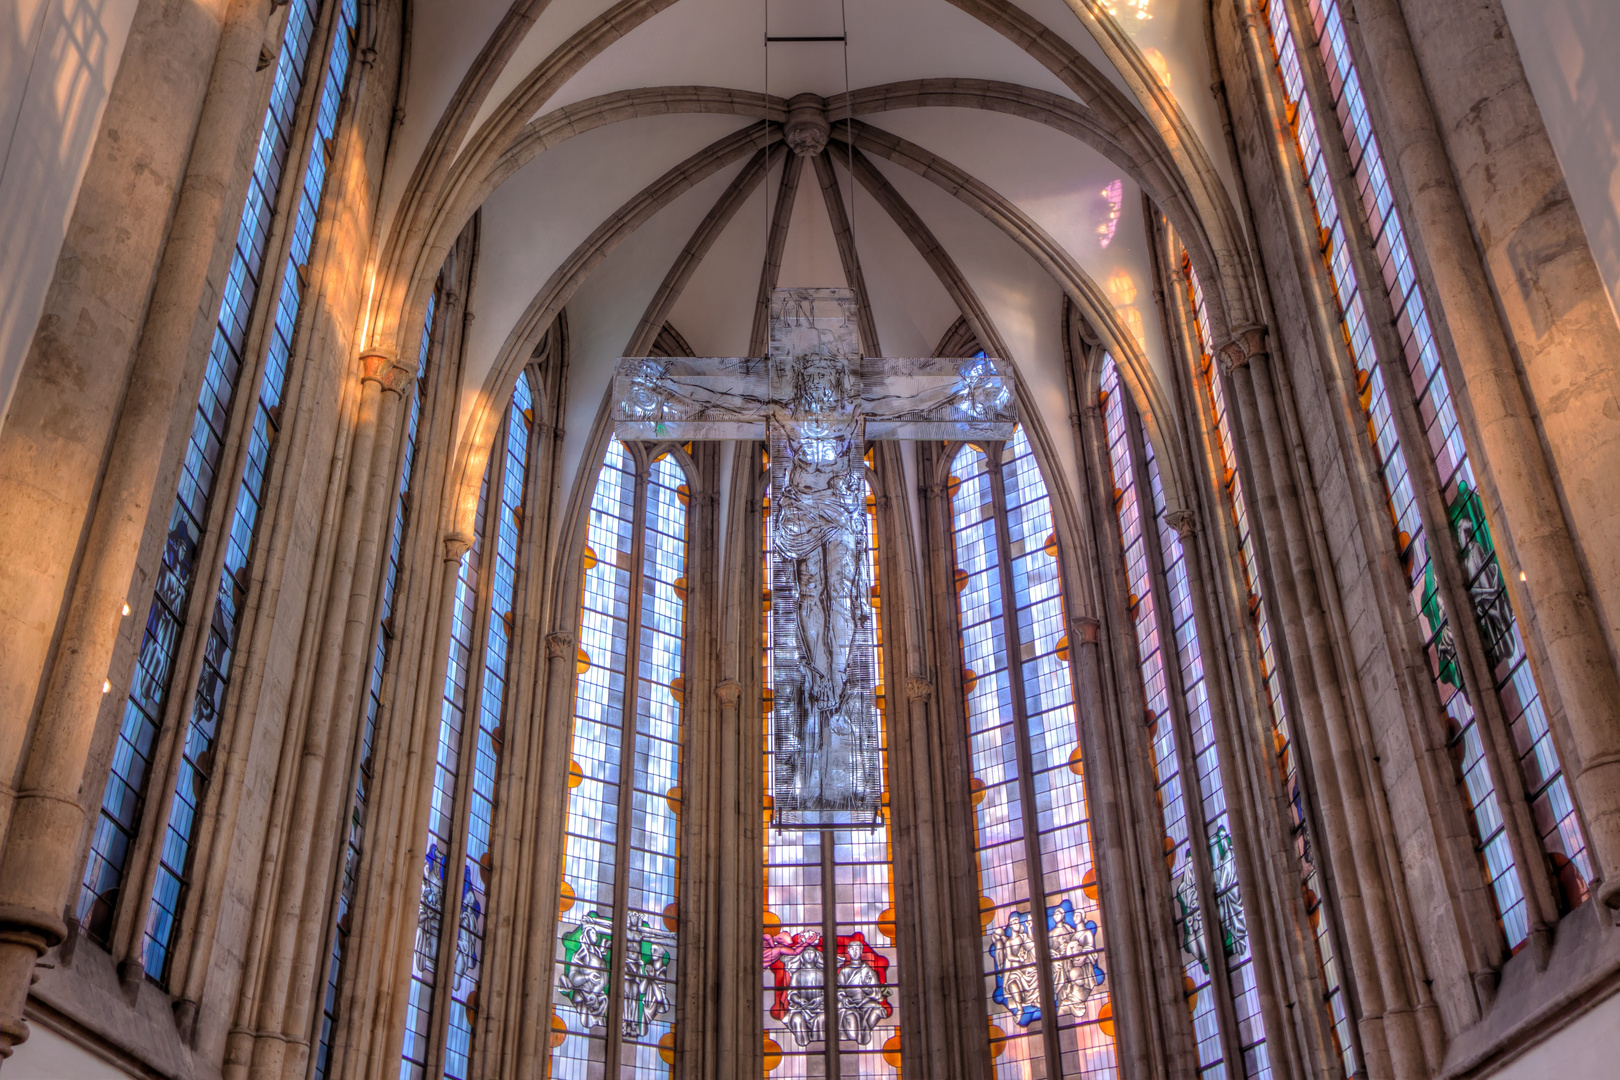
<point x="919" y="689"/>
<point x="1086" y="629"/>
<point x="1247" y="343"/>
<point x="729" y="692"/>
<point x="455" y="546"/>
<point x="559" y="646"/>
<point x="1183" y="520"/>
<point x="375" y="363"/>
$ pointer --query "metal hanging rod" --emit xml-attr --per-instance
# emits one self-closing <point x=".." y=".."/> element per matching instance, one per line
<point x="824" y="37"/>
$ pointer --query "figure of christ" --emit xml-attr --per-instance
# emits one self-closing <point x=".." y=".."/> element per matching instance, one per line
<point x="817" y="400"/>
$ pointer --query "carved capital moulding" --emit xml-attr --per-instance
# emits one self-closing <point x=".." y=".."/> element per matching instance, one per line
<point x="729" y="693"/>
<point x="1086" y="629"/>
<point x="1247" y="343"/>
<point x="919" y="689"/>
<point x="1184" y="521"/>
<point x="455" y="546"/>
<point x="559" y="646"/>
<point x="373" y="363"/>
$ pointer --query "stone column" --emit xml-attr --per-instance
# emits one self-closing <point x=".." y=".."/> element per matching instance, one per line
<point x="1390" y="1037"/>
<point x="1521" y="494"/>
<point x="37" y="866"/>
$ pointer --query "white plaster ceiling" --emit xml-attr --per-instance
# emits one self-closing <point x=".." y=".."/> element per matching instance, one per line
<point x="542" y="213"/>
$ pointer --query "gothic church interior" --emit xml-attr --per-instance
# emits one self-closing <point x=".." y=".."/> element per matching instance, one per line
<point x="764" y="539"/>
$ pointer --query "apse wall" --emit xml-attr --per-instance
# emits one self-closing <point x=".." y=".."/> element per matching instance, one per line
<point x="1568" y="48"/>
<point x="57" y="63"/>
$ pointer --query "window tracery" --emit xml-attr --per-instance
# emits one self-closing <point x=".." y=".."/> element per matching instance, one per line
<point x="1421" y="381"/>
<point x="1044" y="963"/>
<point x="613" y="1008"/>
<point x="149" y="705"/>
<point x="1211" y="926"/>
<point x="450" y="915"/>
<point x="862" y="997"/>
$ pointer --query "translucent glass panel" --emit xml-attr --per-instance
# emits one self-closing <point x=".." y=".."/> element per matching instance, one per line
<point x="143" y="712"/>
<point x="1043" y="947"/>
<point x="1282" y="725"/>
<point x="860" y="920"/>
<point x="374" y="684"/>
<point x="1553" y="811"/>
<point x="458" y="676"/>
<point x="478" y="863"/>
<point x="197" y="757"/>
<point x="1188" y="754"/>
<point x="1173" y="789"/>
<point x="622" y="884"/>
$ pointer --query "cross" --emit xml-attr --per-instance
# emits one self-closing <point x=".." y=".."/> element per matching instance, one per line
<point x="816" y="401"/>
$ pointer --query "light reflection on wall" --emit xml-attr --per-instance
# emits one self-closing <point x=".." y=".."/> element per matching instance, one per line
<point x="1114" y="201"/>
<point x="1122" y="291"/>
<point x="1125" y="9"/>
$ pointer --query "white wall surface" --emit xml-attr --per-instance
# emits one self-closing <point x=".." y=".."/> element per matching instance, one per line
<point x="1588" y="1049"/>
<point x="57" y="62"/>
<point x="48" y="1056"/>
<point x="1569" y="49"/>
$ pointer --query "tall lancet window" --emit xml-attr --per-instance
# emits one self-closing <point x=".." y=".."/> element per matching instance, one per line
<point x="1207" y="901"/>
<point x="457" y="863"/>
<point x="846" y="1026"/>
<point x="1044" y="965"/>
<point x="1419" y="380"/>
<point x="613" y="1008"/>
<point x="1282" y="742"/>
<point x="266" y="253"/>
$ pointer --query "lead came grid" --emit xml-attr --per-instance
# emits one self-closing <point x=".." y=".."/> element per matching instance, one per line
<point x="1553" y="811"/>
<point x="1077" y="966"/>
<point x="143" y="712"/>
<point x="379" y="661"/>
<point x="197" y="759"/>
<point x="863" y="902"/>
<point x="481" y="795"/>
<point x="1466" y="739"/>
<point x="1189" y="920"/>
<point x="1319" y="917"/>
<point x="446" y="771"/>
<point x="593" y="804"/>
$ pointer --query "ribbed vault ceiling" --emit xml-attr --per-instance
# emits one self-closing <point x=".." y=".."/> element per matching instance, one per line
<point x="596" y="138"/>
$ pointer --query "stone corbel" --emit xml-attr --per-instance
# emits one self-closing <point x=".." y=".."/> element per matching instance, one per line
<point x="559" y="646"/>
<point x="1086" y="630"/>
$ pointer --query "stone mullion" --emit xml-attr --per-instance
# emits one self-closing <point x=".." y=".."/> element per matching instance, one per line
<point x="1390" y="359"/>
<point x="1168" y="1047"/>
<point x="627" y="757"/>
<point x="925" y="1036"/>
<point x="963" y="946"/>
<point x="1186" y="751"/>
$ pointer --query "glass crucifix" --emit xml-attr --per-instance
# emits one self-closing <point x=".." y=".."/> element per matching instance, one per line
<point x="816" y="401"/>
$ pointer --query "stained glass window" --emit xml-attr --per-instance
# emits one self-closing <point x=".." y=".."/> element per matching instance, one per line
<point x="374" y="691"/>
<point x="1319" y="916"/>
<point x="613" y="1007"/>
<point x="860" y="1003"/>
<point x="450" y="912"/>
<point x="1045" y="967"/>
<point x="126" y="790"/>
<point x="1423" y="382"/>
<point x="1207" y="903"/>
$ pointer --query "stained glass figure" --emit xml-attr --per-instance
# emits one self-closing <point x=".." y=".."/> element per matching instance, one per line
<point x="817" y="402"/>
